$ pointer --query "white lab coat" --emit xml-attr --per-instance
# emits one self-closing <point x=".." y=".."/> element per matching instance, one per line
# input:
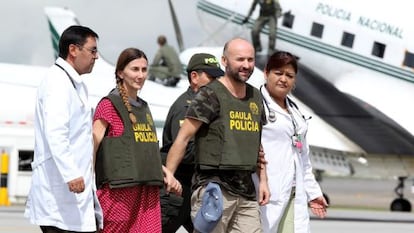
<point x="287" y="166"/>
<point x="63" y="151"/>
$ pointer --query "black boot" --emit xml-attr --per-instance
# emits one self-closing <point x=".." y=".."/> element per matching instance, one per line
<point x="172" y="81"/>
<point x="151" y="78"/>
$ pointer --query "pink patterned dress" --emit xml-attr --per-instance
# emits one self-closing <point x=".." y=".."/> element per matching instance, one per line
<point x="131" y="209"/>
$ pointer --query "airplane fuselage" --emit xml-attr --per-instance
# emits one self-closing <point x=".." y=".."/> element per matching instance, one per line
<point x="366" y="54"/>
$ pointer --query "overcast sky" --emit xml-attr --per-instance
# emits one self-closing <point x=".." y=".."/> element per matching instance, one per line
<point x="25" y="37"/>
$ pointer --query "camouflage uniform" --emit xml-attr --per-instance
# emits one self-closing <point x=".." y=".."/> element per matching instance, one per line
<point x="237" y="185"/>
<point x="270" y="10"/>
<point x="234" y="181"/>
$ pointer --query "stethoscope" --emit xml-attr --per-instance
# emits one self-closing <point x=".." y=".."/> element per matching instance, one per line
<point x="272" y="113"/>
<point x="297" y="139"/>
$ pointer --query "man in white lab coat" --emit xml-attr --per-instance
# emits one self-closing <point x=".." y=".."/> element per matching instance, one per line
<point x="61" y="197"/>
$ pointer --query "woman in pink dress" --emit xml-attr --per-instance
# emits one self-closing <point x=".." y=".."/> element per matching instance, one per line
<point x="128" y="167"/>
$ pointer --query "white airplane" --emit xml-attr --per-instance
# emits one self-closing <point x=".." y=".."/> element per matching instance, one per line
<point x="364" y="52"/>
<point x="367" y="54"/>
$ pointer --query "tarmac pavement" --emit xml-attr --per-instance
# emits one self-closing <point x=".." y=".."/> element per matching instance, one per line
<point x="338" y="221"/>
<point x="357" y="206"/>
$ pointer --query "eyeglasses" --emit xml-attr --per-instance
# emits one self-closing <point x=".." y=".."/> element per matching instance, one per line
<point x="93" y="51"/>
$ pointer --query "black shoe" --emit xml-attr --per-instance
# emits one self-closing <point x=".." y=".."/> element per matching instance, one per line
<point x="172" y="81"/>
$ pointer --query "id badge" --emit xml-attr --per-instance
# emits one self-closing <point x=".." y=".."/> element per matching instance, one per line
<point x="297" y="142"/>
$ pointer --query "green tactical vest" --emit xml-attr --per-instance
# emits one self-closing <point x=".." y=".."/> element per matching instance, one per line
<point x="231" y="142"/>
<point x="133" y="158"/>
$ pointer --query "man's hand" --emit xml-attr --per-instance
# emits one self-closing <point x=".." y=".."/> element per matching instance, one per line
<point x="77" y="185"/>
<point x="171" y="184"/>
<point x="318" y="206"/>
<point x="245" y="20"/>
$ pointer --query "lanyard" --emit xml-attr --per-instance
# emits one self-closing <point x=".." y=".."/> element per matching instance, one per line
<point x="70" y="78"/>
<point x="296" y="137"/>
<point x="73" y="83"/>
<point x="294" y="123"/>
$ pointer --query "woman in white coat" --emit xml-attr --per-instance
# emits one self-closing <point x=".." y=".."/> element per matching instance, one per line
<point x="291" y="181"/>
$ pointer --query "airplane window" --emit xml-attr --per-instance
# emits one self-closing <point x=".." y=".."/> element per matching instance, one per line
<point x="378" y="49"/>
<point x="347" y="39"/>
<point x="25" y="160"/>
<point x="288" y="19"/>
<point x="317" y="30"/>
<point x="409" y="59"/>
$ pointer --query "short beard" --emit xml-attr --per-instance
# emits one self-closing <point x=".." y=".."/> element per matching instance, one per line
<point x="235" y="75"/>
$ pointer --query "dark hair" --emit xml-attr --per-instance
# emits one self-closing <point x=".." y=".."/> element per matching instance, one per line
<point x="124" y="59"/>
<point x="199" y="72"/>
<point x="74" y="34"/>
<point x="279" y="59"/>
<point x="162" y="40"/>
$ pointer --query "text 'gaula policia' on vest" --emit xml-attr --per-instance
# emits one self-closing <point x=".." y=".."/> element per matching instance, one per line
<point x="243" y="121"/>
<point x="239" y="123"/>
<point x="144" y="133"/>
<point x="125" y="158"/>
